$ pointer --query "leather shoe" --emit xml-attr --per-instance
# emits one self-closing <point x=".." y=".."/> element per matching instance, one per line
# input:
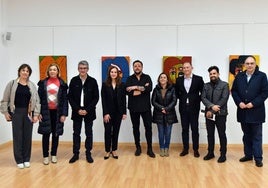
<point x="259" y="163"/>
<point x="138" y="151"/>
<point x="107" y="156"/>
<point x="245" y="158"/>
<point x="74" y="158"/>
<point x="222" y="159"/>
<point x="90" y="159"/>
<point x="150" y="153"/>
<point x="196" y="154"/>
<point x="114" y="155"/>
<point x="209" y="156"/>
<point x="184" y="152"/>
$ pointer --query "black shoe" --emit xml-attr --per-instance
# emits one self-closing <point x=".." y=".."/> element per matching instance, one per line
<point x="90" y="159"/>
<point x="150" y="153"/>
<point x="196" y="154"/>
<point x="245" y="158"/>
<point x="209" y="156"/>
<point x="114" y="156"/>
<point x="138" y="151"/>
<point x="222" y="159"/>
<point x="107" y="156"/>
<point x="184" y="152"/>
<point x="74" y="158"/>
<point x="258" y="163"/>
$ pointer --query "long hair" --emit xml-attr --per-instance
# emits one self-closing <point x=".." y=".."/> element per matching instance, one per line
<point x="109" y="79"/>
<point x="51" y="65"/>
<point x="168" y="79"/>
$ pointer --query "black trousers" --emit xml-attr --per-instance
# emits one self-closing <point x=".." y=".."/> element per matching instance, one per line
<point x="22" y="129"/>
<point x="55" y="137"/>
<point x="190" y="119"/>
<point x="77" y="125"/>
<point x="147" y="121"/>
<point x="111" y="132"/>
<point x="220" y="123"/>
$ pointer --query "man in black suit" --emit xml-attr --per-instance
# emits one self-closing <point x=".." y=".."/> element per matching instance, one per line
<point x="83" y="97"/>
<point x="188" y="90"/>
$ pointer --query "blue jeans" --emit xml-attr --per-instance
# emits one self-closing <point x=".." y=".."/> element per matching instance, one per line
<point x="164" y="134"/>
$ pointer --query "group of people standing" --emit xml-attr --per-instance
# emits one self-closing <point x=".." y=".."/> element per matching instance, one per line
<point x="24" y="104"/>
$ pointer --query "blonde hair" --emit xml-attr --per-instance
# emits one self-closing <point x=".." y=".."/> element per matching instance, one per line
<point x="51" y="65"/>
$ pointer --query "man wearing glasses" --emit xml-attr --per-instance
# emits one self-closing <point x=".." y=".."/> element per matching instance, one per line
<point x="83" y="97"/>
<point x="249" y="91"/>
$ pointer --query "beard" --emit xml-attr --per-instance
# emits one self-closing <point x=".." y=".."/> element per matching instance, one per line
<point x="137" y="72"/>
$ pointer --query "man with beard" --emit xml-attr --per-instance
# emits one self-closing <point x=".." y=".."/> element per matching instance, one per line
<point x="215" y="96"/>
<point x="138" y="87"/>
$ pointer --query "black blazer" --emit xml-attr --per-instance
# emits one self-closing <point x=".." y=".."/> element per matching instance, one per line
<point x="107" y="99"/>
<point x="91" y="97"/>
<point x="194" y="94"/>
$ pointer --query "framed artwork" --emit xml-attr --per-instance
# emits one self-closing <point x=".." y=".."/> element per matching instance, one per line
<point x="122" y="62"/>
<point x="45" y="61"/>
<point x="236" y="65"/>
<point x="172" y="66"/>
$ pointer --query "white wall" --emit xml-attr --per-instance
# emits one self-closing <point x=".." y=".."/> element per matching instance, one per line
<point x="206" y="30"/>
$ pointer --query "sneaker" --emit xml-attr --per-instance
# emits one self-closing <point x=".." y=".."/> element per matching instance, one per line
<point x="27" y="164"/>
<point x="162" y="153"/>
<point x="20" y="165"/>
<point x="46" y="161"/>
<point x="54" y="159"/>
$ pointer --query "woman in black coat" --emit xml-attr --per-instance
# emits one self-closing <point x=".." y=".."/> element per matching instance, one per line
<point x="164" y="101"/>
<point x="114" y="109"/>
<point x="54" y="109"/>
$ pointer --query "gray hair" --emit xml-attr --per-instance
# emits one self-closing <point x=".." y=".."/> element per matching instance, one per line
<point x="83" y="62"/>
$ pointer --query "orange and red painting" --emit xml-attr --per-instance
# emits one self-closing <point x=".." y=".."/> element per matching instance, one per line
<point x="236" y="65"/>
<point x="45" y="61"/>
<point x="172" y="66"/>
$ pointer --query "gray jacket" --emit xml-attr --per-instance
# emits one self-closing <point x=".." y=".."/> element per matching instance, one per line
<point x="217" y="94"/>
<point x="9" y="98"/>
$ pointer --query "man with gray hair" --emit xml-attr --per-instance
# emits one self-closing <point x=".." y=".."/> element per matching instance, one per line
<point x="83" y="97"/>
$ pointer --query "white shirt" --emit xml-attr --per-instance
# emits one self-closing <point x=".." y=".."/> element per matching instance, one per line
<point x="82" y="93"/>
<point x="187" y="84"/>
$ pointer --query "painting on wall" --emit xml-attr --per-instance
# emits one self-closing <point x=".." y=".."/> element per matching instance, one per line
<point x="122" y="62"/>
<point x="236" y="65"/>
<point x="45" y="61"/>
<point x="172" y="66"/>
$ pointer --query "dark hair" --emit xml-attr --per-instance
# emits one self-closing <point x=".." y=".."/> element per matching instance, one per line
<point x="168" y="79"/>
<point x="137" y="61"/>
<point x="251" y="57"/>
<point x="109" y="79"/>
<point x="56" y="65"/>
<point x="213" y="68"/>
<point x="24" y="66"/>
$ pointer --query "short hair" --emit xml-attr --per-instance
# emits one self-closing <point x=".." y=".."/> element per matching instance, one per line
<point x="251" y="57"/>
<point x="187" y="62"/>
<point x="25" y="66"/>
<point x="213" y="68"/>
<point x="137" y="61"/>
<point x="83" y="62"/>
<point x="51" y="65"/>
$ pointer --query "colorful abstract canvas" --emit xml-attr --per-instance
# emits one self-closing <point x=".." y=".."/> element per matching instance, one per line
<point x="236" y="65"/>
<point x="121" y="61"/>
<point x="45" y="61"/>
<point x="172" y="66"/>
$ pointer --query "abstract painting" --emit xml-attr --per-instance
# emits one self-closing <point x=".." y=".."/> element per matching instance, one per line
<point x="45" y="61"/>
<point x="236" y="65"/>
<point x="172" y="66"/>
<point x="121" y="61"/>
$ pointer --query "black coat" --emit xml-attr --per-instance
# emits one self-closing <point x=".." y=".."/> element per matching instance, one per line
<point x="107" y="99"/>
<point x="194" y="94"/>
<point x="254" y="91"/>
<point x="62" y="110"/>
<point x="168" y="103"/>
<point x="91" y="97"/>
